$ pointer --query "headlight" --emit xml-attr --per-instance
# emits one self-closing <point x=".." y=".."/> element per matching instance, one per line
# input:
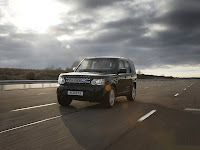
<point x="98" y="81"/>
<point x="61" y="80"/>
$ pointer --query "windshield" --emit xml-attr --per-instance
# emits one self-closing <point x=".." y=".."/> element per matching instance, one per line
<point x="103" y="65"/>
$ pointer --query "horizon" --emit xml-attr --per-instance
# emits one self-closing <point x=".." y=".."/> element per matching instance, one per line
<point x="137" y="71"/>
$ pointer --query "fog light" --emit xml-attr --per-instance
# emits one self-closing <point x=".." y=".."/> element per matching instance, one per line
<point x="108" y="87"/>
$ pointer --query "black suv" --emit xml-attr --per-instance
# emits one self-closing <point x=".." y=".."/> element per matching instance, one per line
<point x="98" y="79"/>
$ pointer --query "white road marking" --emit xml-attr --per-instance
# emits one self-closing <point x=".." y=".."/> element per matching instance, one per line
<point x="191" y="84"/>
<point x="41" y="93"/>
<point x="34" y="107"/>
<point x="146" y="116"/>
<point x="184" y="89"/>
<point x="192" y="109"/>
<point x="29" y="124"/>
<point x="176" y="94"/>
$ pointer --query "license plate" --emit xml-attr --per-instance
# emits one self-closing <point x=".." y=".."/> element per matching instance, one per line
<point x="79" y="93"/>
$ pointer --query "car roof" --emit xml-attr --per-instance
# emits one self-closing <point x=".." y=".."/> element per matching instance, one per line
<point x="116" y="57"/>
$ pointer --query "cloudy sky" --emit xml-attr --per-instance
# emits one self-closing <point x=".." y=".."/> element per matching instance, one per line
<point x="162" y="37"/>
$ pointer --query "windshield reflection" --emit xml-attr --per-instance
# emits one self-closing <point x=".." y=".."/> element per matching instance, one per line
<point x="101" y="65"/>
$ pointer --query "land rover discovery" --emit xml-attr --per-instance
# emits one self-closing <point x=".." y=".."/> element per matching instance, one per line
<point x="98" y="79"/>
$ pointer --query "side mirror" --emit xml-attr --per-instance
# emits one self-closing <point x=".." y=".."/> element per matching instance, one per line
<point x="122" y="70"/>
<point x="74" y="68"/>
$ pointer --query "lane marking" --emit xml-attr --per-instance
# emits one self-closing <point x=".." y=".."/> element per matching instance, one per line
<point x="184" y="89"/>
<point x="45" y="93"/>
<point x="176" y="94"/>
<point x="34" y="107"/>
<point x="192" y="109"/>
<point x="191" y="84"/>
<point x="30" y="124"/>
<point x="41" y="93"/>
<point x="146" y="116"/>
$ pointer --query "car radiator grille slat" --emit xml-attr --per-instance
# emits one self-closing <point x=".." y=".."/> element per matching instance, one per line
<point x="77" y="79"/>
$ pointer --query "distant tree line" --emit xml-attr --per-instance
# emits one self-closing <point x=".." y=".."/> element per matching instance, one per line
<point x="31" y="74"/>
<point x="144" y="76"/>
<point x="140" y="75"/>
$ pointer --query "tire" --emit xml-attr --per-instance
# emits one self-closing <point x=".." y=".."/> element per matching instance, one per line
<point x="64" y="101"/>
<point x="110" y="98"/>
<point x="131" y="96"/>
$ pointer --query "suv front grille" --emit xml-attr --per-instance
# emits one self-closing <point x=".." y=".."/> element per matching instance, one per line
<point x="77" y="80"/>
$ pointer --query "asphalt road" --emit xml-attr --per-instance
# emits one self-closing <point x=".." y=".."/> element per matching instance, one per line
<point x="165" y="115"/>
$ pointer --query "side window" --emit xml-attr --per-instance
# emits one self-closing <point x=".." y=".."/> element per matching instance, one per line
<point x="127" y="66"/>
<point x="94" y="64"/>
<point x="121" y="64"/>
<point x="132" y="67"/>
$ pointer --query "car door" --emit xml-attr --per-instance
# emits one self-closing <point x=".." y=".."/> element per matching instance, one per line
<point x="128" y="77"/>
<point x="121" y="79"/>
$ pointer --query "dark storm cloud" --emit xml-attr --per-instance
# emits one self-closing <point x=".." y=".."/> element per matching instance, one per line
<point x="175" y="45"/>
<point x="122" y="30"/>
<point x="97" y="3"/>
<point x="183" y="22"/>
<point x="97" y="27"/>
<point x="125" y="23"/>
<point x="65" y="27"/>
<point x="184" y="19"/>
<point x="92" y="4"/>
<point x="32" y="51"/>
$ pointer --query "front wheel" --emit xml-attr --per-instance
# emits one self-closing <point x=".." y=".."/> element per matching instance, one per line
<point x="64" y="101"/>
<point x="110" y="98"/>
<point x="132" y="94"/>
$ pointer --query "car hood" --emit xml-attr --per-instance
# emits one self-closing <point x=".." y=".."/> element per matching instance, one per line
<point x="92" y="74"/>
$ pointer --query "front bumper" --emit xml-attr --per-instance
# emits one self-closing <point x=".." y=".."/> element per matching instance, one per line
<point x="93" y="93"/>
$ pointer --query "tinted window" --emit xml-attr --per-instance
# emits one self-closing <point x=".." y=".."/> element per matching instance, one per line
<point x="97" y="65"/>
<point x="127" y="66"/>
<point x="132" y="67"/>
<point x="121" y="64"/>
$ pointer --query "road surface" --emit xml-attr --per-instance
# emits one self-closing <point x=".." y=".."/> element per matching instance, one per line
<point x="165" y="115"/>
